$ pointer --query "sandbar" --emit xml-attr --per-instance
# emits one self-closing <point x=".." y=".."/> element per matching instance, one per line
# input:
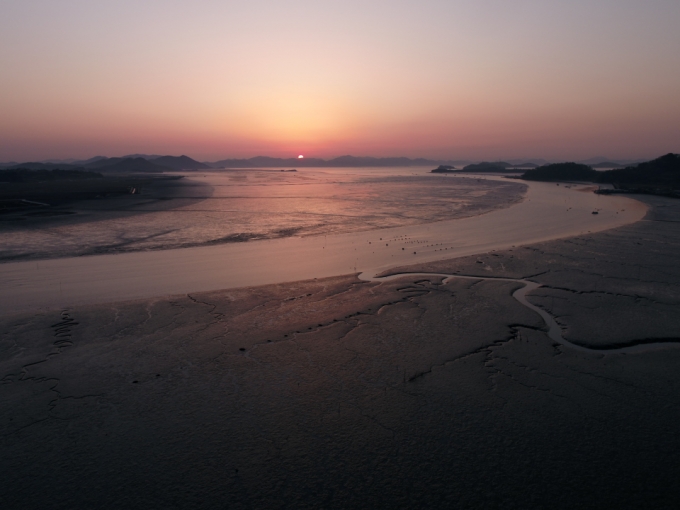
<point x="548" y="212"/>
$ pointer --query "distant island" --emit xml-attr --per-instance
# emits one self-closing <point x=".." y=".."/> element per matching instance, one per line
<point x="444" y="169"/>
<point x="484" y="167"/>
<point x="660" y="176"/>
<point x="562" y="172"/>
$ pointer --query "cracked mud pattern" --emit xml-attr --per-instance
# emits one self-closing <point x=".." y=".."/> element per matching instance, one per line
<point x="338" y="393"/>
<point x="614" y="289"/>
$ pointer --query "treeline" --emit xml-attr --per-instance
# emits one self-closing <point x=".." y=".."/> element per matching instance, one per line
<point x="662" y="172"/>
<point x="27" y="175"/>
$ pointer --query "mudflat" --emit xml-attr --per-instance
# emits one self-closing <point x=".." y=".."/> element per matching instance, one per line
<point x="547" y="212"/>
<point x="232" y="206"/>
<point x="343" y="393"/>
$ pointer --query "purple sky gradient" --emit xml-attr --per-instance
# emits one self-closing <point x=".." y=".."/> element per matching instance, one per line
<point x="442" y="79"/>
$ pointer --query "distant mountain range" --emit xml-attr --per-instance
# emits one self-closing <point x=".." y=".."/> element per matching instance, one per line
<point x="129" y="164"/>
<point x="342" y="161"/>
<point x="156" y="163"/>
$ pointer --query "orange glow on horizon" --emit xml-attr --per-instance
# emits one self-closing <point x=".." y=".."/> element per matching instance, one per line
<point x="399" y="82"/>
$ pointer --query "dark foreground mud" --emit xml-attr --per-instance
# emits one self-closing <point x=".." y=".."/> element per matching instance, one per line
<point x="339" y="393"/>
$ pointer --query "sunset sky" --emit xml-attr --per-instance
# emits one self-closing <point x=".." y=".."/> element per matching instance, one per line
<point x="460" y="79"/>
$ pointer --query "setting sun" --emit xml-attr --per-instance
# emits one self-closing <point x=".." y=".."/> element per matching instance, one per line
<point x="300" y="156"/>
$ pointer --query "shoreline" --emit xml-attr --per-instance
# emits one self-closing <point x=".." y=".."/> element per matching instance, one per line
<point x="54" y="283"/>
<point x="226" y="214"/>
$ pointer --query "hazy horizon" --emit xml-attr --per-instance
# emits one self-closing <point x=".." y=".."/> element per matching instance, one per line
<point x="434" y="79"/>
<point x="148" y="155"/>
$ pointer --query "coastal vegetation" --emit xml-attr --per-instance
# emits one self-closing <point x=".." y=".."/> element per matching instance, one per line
<point x="485" y="167"/>
<point x="561" y="172"/>
<point x="607" y="165"/>
<point x="660" y="176"/>
<point x="663" y="171"/>
<point x="444" y="169"/>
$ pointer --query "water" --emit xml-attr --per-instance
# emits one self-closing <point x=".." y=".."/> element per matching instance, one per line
<point x="237" y="205"/>
<point x="548" y="212"/>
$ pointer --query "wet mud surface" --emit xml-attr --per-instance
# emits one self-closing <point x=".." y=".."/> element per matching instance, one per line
<point x="237" y="206"/>
<point x="608" y="290"/>
<point x="340" y="393"/>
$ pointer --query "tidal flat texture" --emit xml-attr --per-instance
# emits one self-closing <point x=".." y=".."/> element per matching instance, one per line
<point x="338" y="393"/>
<point x="241" y="205"/>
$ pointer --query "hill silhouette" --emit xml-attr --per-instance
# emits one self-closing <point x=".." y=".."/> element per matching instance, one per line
<point x="179" y="163"/>
<point x="43" y="166"/>
<point x="607" y="164"/>
<point x="663" y="171"/>
<point x="561" y="172"/>
<point x="132" y="165"/>
<point x="444" y="169"/>
<point x="485" y="166"/>
<point x="659" y="176"/>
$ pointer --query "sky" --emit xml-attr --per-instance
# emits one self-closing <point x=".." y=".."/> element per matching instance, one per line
<point x="443" y="79"/>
